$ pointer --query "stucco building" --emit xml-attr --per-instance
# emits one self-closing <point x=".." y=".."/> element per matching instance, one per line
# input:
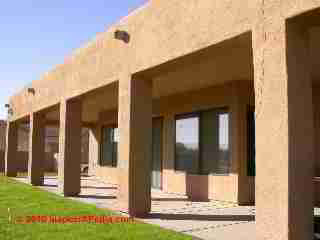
<point x="214" y="99"/>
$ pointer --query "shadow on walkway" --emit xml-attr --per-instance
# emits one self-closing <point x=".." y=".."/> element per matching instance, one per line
<point x="165" y="216"/>
<point x="51" y="177"/>
<point x="50" y="185"/>
<point x="171" y="199"/>
<point x="96" y="196"/>
<point x="106" y="188"/>
<point x="21" y="177"/>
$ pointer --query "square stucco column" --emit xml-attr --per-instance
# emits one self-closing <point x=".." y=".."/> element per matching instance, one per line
<point x="11" y="157"/>
<point x="36" y="149"/>
<point x="135" y="126"/>
<point x="239" y="108"/>
<point x="69" y="165"/>
<point x="284" y="132"/>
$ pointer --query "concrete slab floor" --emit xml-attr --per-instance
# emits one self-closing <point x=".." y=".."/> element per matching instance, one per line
<point x="212" y="220"/>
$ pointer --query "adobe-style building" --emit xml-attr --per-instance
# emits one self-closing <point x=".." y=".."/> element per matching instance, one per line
<point x="170" y="93"/>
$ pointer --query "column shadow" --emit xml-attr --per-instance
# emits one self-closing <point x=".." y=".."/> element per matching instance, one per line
<point x="95" y="196"/>
<point x="196" y="217"/>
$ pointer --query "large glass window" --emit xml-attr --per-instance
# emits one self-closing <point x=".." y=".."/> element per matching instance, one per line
<point x="215" y="145"/>
<point x="109" y="147"/>
<point x="187" y="143"/>
<point x="203" y="142"/>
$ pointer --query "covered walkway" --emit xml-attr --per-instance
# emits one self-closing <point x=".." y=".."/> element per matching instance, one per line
<point x="204" y="220"/>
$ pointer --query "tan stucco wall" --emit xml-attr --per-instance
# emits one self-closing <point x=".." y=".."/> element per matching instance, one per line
<point x="165" y="31"/>
<point x="284" y="129"/>
<point x="219" y="187"/>
<point x="192" y="26"/>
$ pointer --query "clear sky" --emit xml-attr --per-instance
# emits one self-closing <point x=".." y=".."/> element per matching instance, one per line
<point x="37" y="35"/>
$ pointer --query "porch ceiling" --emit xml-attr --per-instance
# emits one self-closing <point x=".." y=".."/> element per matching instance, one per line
<point x="228" y="61"/>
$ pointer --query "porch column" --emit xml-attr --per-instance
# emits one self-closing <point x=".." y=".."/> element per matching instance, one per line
<point x="284" y="130"/>
<point x="69" y="165"/>
<point x="36" y="149"/>
<point x="135" y="126"/>
<point x="239" y="108"/>
<point x="11" y="158"/>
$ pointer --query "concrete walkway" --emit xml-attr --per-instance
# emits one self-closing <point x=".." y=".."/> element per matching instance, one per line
<point x="205" y="220"/>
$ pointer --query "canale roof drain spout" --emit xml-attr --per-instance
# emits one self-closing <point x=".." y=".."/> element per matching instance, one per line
<point x="122" y="35"/>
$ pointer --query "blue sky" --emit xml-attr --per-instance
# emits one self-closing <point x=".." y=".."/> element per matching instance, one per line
<point x="37" y="35"/>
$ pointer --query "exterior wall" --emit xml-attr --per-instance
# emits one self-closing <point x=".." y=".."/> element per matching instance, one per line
<point x="215" y="186"/>
<point x="284" y="120"/>
<point x="180" y="182"/>
<point x="193" y="26"/>
<point x="2" y="144"/>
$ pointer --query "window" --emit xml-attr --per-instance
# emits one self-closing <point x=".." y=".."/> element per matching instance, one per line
<point x="215" y="145"/>
<point x="187" y="143"/>
<point x="203" y="142"/>
<point x="109" y="147"/>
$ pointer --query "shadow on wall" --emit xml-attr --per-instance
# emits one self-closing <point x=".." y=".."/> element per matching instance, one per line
<point x="50" y="162"/>
<point x="2" y="163"/>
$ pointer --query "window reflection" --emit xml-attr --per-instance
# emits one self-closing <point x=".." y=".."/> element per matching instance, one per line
<point x="224" y="131"/>
<point x="202" y="142"/>
<point x="109" y="147"/>
<point x="187" y="144"/>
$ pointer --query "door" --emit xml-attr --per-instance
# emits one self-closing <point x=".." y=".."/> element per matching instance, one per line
<point x="156" y="175"/>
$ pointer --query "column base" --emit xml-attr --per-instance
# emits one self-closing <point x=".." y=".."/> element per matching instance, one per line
<point x="71" y="194"/>
<point x="38" y="182"/>
<point x="122" y="207"/>
<point x="11" y="174"/>
<point x="127" y="203"/>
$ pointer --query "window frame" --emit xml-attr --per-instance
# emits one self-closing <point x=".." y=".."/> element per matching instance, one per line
<point x="221" y="110"/>
<point x="181" y="117"/>
<point x="114" y="162"/>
